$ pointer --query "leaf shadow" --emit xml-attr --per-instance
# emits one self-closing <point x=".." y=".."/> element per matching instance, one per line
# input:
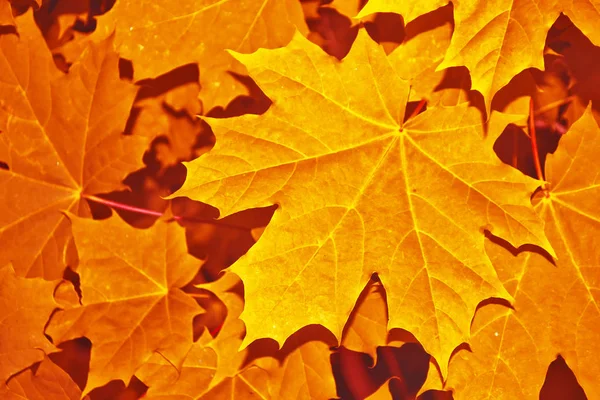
<point x="515" y="251"/>
<point x="333" y="32"/>
<point x="356" y="376"/>
<point x="189" y="73"/>
<point x="561" y="383"/>
<point x="256" y="102"/>
<point x="74" y="359"/>
<point x="8" y="30"/>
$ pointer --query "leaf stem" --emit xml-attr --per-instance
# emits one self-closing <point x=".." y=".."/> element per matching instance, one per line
<point x="515" y="152"/>
<point x="534" y="148"/>
<point x="144" y="211"/>
<point x="125" y="207"/>
<point x="418" y="109"/>
<point x="554" y="104"/>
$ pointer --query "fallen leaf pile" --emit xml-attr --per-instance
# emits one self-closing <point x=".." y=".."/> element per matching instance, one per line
<point x="299" y="199"/>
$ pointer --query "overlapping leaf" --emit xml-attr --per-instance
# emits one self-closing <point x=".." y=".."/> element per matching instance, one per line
<point x="49" y="382"/>
<point x="132" y="304"/>
<point x="6" y="17"/>
<point x="348" y="8"/>
<point x="190" y="382"/>
<point x="60" y="137"/>
<point x="498" y="39"/>
<point x="359" y="191"/>
<point x="416" y="60"/>
<point x="25" y="306"/>
<point x="556" y="309"/>
<point x="199" y="31"/>
<point x="408" y="9"/>
<point x="366" y="328"/>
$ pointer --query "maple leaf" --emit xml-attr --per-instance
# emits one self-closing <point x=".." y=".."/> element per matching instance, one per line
<point x="229" y="338"/>
<point x="49" y="382"/>
<point x="304" y="373"/>
<point x="212" y="368"/>
<point x="177" y="131"/>
<point x="6" y="16"/>
<point x="61" y="139"/>
<point x="367" y="325"/>
<point x="193" y="381"/>
<point x="384" y="391"/>
<point x="583" y="75"/>
<point x="361" y="192"/>
<point x="497" y="40"/>
<point x="408" y="10"/>
<point x="199" y="31"/>
<point x="194" y="377"/>
<point x="348" y="8"/>
<point x="25" y="306"/>
<point x="556" y="308"/>
<point x="416" y="61"/>
<point x="131" y="302"/>
<point x="418" y="56"/>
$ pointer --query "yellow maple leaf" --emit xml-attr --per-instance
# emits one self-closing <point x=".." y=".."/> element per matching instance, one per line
<point x="361" y="192"/>
<point x="408" y="9"/>
<point x="416" y="60"/>
<point x="348" y="8"/>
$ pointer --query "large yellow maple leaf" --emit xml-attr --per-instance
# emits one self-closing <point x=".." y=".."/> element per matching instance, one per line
<point x="498" y="39"/>
<point x="199" y="31"/>
<point x="61" y="138"/>
<point x="359" y="191"/>
<point x="557" y="302"/>
<point x="132" y="304"/>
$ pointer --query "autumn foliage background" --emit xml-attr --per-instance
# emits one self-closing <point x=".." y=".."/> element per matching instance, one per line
<point x="383" y="199"/>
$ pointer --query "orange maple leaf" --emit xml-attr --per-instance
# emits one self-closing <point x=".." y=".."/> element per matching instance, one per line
<point x="189" y="382"/>
<point x="49" y="382"/>
<point x="6" y="16"/>
<point x="132" y="304"/>
<point x="25" y="306"/>
<point x="359" y="191"/>
<point x="497" y="40"/>
<point x="366" y="328"/>
<point x="61" y="139"/>
<point x="199" y="31"/>
<point x="557" y="305"/>
<point x="302" y="371"/>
